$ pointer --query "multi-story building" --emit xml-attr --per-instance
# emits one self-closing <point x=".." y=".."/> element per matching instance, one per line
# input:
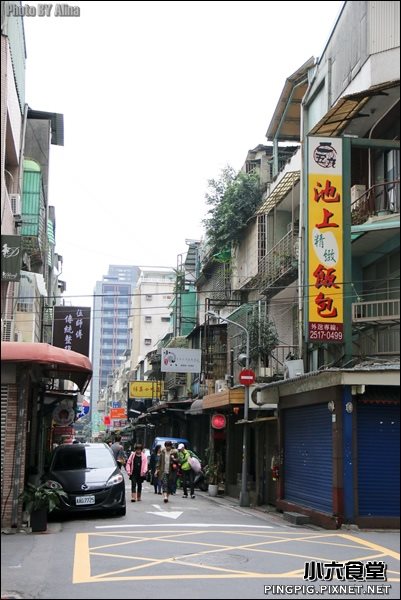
<point x="150" y="313"/>
<point x="13" y="123"/>
<point x="33" y="374"/>
<point x="320" y="261"/>
<point x="110" y="328"/>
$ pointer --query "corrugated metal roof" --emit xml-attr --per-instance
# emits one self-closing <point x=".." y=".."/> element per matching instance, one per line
<point x="362" y="366"/>
<point x="286" y="120"/>
<point x="336" y="120"/>
<point x="290" y="179"/>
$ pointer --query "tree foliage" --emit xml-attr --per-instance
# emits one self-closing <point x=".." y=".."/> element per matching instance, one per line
<point x="263" y="338"/>
<point x="233" y="199"/>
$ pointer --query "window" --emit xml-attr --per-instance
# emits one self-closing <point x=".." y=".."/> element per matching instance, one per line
<point x="148" y="297"/>
<point x="165" y="319"/>
<point x="148" y="319"/>
<point x="148" y="341"/>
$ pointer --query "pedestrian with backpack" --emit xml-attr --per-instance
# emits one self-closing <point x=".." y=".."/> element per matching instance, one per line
<point x="187" y="472"/>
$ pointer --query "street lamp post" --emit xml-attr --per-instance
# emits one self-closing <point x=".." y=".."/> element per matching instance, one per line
<point x="244" y="495"/>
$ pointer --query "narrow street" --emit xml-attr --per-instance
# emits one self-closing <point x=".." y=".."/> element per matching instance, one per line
<point x="191" y="548"/>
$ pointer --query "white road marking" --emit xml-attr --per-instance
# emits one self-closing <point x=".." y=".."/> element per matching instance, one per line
<point x="126" y="525"/>
<point x="170" y="515"/>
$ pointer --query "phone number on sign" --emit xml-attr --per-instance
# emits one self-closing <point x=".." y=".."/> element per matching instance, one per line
<point x="326" y="335"/>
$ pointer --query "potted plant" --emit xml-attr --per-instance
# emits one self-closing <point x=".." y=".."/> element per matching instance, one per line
<point x="39" y="500"/>
<point x="211" y="472"/>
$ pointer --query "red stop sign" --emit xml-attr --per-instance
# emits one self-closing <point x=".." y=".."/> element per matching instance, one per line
<point x="247" y="377"/>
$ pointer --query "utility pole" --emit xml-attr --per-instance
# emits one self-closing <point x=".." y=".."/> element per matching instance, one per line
<point x="244" y="494"/>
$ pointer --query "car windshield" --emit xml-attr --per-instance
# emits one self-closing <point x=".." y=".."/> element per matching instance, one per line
<point x="81" y="457"/>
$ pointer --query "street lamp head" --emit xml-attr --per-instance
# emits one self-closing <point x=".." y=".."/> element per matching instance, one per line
<point x="242" y="359"/>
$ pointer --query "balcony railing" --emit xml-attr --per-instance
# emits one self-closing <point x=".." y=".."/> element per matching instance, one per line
<point x="380" y="198"/>
<point x="174" y="380"/>
<point x="280" y="262"/>
<point x="278" y="357"/>
<point x="383" y="311"/>
<point x="377" y="341"/>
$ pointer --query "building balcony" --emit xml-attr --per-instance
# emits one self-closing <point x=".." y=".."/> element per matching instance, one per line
<point x="380" y="199"/>
<point x="378" y="311"/>
<point x="175" y="380"/>
<point x="376" y="327"/>
<point x="279" y="267"/>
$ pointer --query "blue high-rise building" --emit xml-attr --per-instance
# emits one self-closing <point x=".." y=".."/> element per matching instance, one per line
<point x="110" y="330"/>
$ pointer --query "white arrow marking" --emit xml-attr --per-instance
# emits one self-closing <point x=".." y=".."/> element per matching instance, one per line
<point x="169" y="515"/>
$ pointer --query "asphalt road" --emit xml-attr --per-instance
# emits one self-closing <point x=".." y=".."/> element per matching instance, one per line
<point x="197" y="548"/>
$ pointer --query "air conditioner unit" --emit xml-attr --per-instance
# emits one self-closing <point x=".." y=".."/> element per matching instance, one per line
<point x="293" y="368"/>
<point x="7" y="330"/>
<point x="15" y="200"/>
<point x="220" y="386"/>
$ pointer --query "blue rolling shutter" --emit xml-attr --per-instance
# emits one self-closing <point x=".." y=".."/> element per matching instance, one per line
<point x="379" y="460"/>
<point x="308" y="461"/>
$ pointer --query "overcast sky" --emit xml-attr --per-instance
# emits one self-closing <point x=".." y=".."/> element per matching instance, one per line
<point x="157" y="98"/>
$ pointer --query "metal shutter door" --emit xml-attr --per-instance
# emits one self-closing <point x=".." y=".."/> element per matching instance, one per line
<point x="4" y="407"/>
<point x="308" y="461"/>
<point x="379" y="460"/>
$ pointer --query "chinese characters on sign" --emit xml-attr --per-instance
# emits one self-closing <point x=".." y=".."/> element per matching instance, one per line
<point x="352" y="570"/>
<point x="325" y="240"/>
<point x="180" y="360"/>
<point x="72" y="328"/>
<point x="145" y="389"/>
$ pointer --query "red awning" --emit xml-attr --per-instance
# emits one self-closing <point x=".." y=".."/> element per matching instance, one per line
<point x="57" y="363"/>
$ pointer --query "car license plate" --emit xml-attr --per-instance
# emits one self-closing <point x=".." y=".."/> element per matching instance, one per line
<point x="85" y="500"/>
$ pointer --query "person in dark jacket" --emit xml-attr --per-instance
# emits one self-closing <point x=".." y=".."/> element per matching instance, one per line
<point x="153" y="464"/>
<point x="118" y="451"/>
<point x="167" y="467"/>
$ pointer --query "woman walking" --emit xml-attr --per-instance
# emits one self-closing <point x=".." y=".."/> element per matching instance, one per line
<point x="137" y="467"/>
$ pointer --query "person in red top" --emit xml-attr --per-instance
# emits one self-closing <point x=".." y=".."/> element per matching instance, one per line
<point x="137" y="467"/>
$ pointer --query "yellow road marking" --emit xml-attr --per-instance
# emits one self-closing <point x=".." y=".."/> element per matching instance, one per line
<point x="373" y="546"/>
<point x="82" y="568"/>
<point x="84" y="553"/>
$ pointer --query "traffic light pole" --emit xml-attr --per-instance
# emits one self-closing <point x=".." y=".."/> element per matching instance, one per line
<point x="244" y="494"/>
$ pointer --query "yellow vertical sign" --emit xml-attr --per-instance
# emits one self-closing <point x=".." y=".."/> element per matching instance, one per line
<point x="325" y="241"/>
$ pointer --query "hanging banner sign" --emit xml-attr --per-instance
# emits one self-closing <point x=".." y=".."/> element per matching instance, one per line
<point x="180" y="360"/>
<point x="11" y="257"/>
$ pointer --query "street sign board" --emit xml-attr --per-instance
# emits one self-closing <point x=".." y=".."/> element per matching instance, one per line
<point x="247" y="377"/>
